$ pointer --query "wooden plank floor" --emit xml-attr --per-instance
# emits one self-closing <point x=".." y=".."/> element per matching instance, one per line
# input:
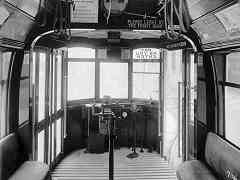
<point x="79" y="166"/>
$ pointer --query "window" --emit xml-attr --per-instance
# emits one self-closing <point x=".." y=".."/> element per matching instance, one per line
<point x="146" y="80"/>
<point x="146" y="86"/>
<point x="81" y="52"/>
<point x="114" y="80"/>
<point x="59" y="81"/>
<point x="233" y="68"/>
<point x="53" y="140"/>
<point x="232" y="113"/>
<point x="24" y="91"/>
<point x="232" y="98"/>
<point x="58" y="136"/>
<point x="41" y="145"/>
<point x="146" y="69"/>
<point x="5" y="59"/>
<point x="41" y="87"/>
<point x="53" y="83"/>
<point x="81" y="80"/>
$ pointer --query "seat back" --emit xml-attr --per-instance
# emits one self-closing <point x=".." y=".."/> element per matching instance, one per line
<point x="222" y="157"/>
<point x="10" y="155"/>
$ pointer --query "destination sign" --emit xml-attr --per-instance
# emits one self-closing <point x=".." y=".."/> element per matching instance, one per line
<point x="145" y="24"/>
<point x="177" y="45"/>
<point x="120" y="15"/>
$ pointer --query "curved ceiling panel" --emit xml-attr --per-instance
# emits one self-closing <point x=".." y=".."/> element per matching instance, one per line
<point x="198" y="8"/>
<point x="29" y="6"/>
<point x="16" y="27"/>
<point x="220" y="28"/>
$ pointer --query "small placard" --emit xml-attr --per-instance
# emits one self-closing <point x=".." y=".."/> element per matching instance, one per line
<point x="86" y="11"/>
<point x="177" y="45"/>
<point x="146" y="53"/>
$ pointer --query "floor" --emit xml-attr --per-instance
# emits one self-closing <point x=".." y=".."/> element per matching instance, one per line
<point x="80" y="165"/>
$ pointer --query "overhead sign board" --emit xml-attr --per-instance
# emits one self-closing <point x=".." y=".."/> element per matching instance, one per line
<point x="145" y="24"/>
<point x="146" y="53"/>
<point x="124" y="14"/>
<point x="178" y="45"/>
<point x="85" y="11"/>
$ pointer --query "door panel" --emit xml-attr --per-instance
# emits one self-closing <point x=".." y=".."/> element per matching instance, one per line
<point x="47" y="72"/>
<point x="173" y="106"/>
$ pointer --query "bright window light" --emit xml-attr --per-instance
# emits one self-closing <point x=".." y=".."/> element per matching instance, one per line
<point x="150" y="67"/>
<point x="42" y="87"/>
<point x="114" y="80"/>
<point x="81" y="80"/>
<point x="81" y="52"/>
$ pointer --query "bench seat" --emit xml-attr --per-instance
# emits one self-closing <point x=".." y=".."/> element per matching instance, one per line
<point x="222" y="161"/>
<point x="14" y="164"/>
<point x="194" y="169"/>
<point x="30" y="170"/>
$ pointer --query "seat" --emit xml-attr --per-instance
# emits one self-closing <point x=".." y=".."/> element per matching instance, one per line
<point x="30" y="170"/>
<point x="194" y="169"/>
<point x="222" y="161"/>
<point x="14" y="164"/>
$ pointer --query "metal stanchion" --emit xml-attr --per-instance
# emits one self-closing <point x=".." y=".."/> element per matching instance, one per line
<point x="134" y="154"/>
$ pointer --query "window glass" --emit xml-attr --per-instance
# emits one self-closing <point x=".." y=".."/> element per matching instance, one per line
<point x="5" y="58"/>
<point x="233" y="68"/>
<point x="58" y="136"/>
<point x="41" y="88"/>
<point x="146" y="86"/>
<point x="53" y="141"/>
<point x="81" y="52"/>
<point x="232" y="113"/>
<point x="114" y="80"/>
<point x="24" y="91"/>
<point x="33" y="67"/>
<point x="40" y="149"/>
<point x="81" y="80"/>
<point x="146" y="80"/>
<point x="59" y="81"/>
<point x="53" y="83"/>
<point x="152" y="67"/>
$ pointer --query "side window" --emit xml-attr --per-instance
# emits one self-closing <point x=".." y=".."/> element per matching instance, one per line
<point x="81" y="73"/>
<point x="146" y="72"/>
<point x="114" y="80"/>
<point x="5" y="59"/>
<point x="232" y="98"/>
<point x="24" y="91"/>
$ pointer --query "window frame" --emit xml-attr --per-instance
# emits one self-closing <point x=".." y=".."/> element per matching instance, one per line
<point x="226" y="84"/>
<point x="122" y="62"/>
<point x="23" y="78"/>
<point x="151" y="73"/>
<point x="85" y="100"/>
<point x="48" y="124"/>
<point x="5" y="126"/>
<point x="97" y="60"/>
